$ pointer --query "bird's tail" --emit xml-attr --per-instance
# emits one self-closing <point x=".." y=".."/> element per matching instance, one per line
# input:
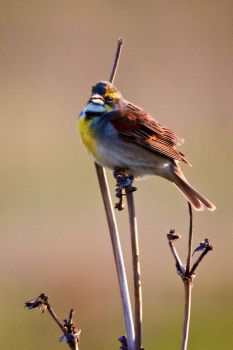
<point x="195" y="198"/>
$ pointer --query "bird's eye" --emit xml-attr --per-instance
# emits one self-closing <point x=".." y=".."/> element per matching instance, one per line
<point x="108" y="98"/>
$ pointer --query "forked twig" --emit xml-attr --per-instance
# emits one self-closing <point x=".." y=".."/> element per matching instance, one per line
<point x="101" y="174"/>
<point x="206" y="247"/>
<point x="187" y="273"/>
<point x="71" y="334"/>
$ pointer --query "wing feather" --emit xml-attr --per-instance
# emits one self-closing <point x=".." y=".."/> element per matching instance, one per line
<point x="135" y="125"/>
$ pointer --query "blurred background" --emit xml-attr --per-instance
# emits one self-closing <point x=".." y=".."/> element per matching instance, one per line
<point x="176" y="63"/>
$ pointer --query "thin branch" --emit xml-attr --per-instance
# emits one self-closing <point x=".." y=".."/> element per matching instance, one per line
<point x="187" y="279"/>
<point x="54" y="316"/>
<point x="136" y="269"/>
<point x="71" y="316"/>
<point x="124" y="186"/>
<point x="116" y="60"/>
<point x="188" y="264"/>
<point x="187" y="274"/>
<point x="71" y="334"/>
<point x="188" y="294"/>
<point x="171" y="236"/>
<point x="187" y="311"/>
<point x="203" y="254"/>
<point x="101" y="174"/>
<point x="187" y="285"/>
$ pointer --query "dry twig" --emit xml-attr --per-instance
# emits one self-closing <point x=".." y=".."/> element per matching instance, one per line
<point x="187" y="272"/>
<point x="101" y="174"/>
<point x="136" y="270"/>
<point x="124" y="184"/>
<point x="71" y="334"/>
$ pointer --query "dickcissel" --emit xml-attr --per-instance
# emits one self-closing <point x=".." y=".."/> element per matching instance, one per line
<point x="121" y="135"/>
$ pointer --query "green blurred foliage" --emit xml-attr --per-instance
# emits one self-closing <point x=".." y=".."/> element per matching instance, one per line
<point x="177" y="64"/>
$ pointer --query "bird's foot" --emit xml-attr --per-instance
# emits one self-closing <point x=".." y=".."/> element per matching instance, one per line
<point x="123" y="185"/>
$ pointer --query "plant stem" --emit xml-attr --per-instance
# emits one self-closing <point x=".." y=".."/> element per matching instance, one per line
<point x="54" y="316"/>
<point x="179" y="265"/>
<point x="188" y="264"/>
<point x="136" y="270"/>
<point x="101" y="174"/>
<point x="116" y="60"/>
<point x="187" y="272"/>
<point x="187" y="310"/>
<point x="187" y="280"/>
<point x="118" y="256"/>
<point x="203" y="254"/>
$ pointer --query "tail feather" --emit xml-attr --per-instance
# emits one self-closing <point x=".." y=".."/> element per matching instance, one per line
<point x="198" y="201"/>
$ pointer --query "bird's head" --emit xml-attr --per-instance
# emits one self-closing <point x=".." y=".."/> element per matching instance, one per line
<point x="106" y="94"/>
<point x="104" y="98"/>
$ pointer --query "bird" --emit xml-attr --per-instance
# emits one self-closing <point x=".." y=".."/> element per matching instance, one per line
<point x="121" y="135"/>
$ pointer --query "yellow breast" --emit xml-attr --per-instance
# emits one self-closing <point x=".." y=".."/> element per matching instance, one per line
<point x="87" y="134"/>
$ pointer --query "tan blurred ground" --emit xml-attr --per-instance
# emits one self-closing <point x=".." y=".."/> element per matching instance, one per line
<point x="177" y="64"/>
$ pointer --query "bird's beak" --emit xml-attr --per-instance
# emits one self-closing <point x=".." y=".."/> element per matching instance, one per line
<point x="97" y="99"/>
<point x="95" y="106"/>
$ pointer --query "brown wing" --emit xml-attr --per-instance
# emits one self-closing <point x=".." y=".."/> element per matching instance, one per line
<point x="135" y="125"/>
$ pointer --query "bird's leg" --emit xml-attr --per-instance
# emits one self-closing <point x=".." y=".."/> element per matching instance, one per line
<point x="123" y="183"/>
<point x="119" y="175"/>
